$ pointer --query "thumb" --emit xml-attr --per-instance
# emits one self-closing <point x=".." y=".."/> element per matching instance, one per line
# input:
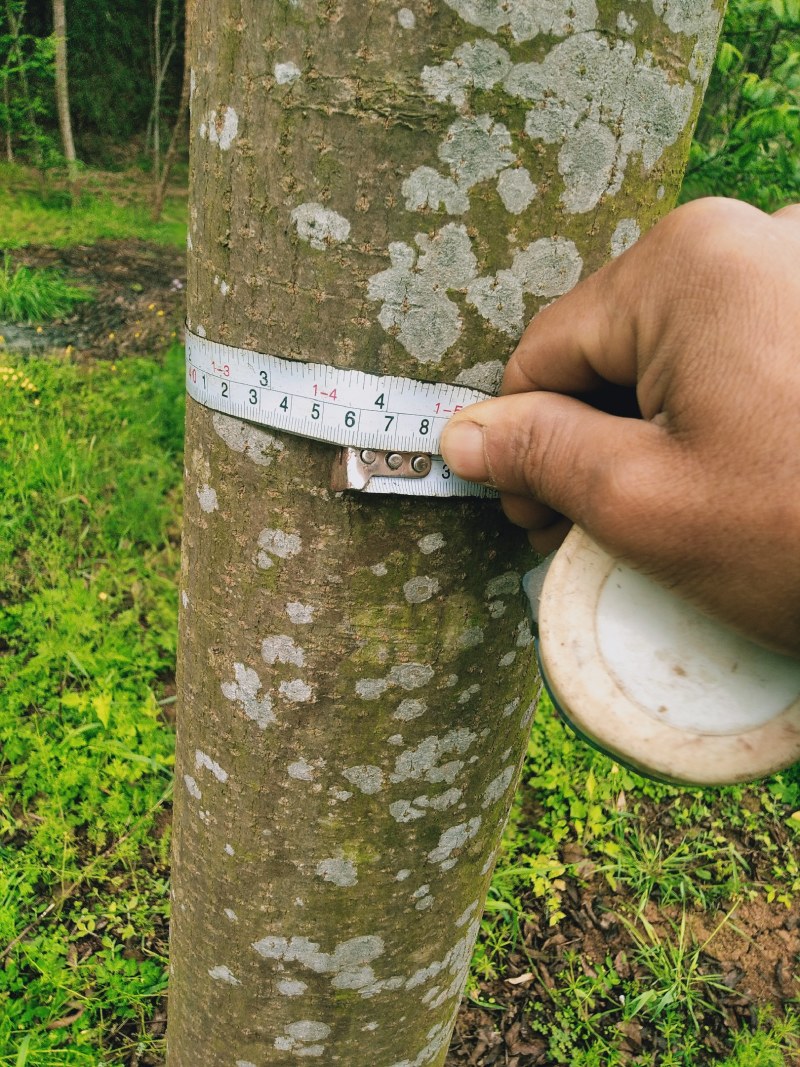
<point x="604" y="472"/>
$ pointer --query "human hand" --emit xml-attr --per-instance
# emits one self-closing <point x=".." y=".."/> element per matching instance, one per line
<point x="702" y="318"/>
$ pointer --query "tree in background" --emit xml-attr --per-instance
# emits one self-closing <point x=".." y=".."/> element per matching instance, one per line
<point x="748" y="139"/>
<point x="62" y="89"/>
<point x="161" y="173"/>
<point x="116" y="87"/>
<point x="398" y="191"/>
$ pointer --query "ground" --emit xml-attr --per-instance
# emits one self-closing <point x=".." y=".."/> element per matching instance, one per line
<point x="628" y="923"/>
<point x="138" y="300"/>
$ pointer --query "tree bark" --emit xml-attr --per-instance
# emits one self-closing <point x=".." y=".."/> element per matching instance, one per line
<point x="62" y="90"/>
<point x="398" y="192"/>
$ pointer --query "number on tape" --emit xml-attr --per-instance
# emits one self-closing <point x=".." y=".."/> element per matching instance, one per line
<point x="342" y="407"/>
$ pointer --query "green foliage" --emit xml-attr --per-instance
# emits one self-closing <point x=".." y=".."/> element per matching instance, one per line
<point x="770" y="1045"/>
<point x="88" y="565"/>
<point x="747" y="143"/>
<point x="28" y="295"/>
<point x="109" y="207"/>
<point x="110" y="56"/>
<point x="27" y="74"/>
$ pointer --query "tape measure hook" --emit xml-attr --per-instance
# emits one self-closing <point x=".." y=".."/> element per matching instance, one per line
<point x="354" y="468"/>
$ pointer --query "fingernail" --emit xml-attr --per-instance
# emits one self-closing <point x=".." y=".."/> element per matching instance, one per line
<point x="462" y="449"/>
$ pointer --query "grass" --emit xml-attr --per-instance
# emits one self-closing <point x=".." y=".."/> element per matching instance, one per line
<point x="28" y="295"/>
<point x="88" y="559"/>
<point x="582" y="821"/>
<point x="110" y="206"/>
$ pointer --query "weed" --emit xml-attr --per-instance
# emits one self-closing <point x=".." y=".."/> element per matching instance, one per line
<point x="701" y="868"/>
<point x="674" y="978"/>
<point x="88" y="564"/>
<point x="28" y="295"/>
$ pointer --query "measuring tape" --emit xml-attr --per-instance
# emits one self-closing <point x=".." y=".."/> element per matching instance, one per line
<point x="341" y="407"/>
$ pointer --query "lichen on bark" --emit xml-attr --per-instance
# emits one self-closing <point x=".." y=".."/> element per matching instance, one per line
<point x="356" y="678"/>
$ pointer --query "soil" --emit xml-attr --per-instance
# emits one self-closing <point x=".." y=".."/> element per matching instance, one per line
<point x="137" y="305"/>
<point x="138" y="308"/>
<point x="755" y="954"/>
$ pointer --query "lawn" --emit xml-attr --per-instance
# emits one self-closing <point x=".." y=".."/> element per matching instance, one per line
<point x="628" y="922"/>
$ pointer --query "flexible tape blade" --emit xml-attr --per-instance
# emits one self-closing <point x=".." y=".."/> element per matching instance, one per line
<point x="339" y="407"/>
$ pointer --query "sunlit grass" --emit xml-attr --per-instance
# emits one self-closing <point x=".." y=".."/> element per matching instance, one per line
<point x="28" y="295"/>
<point x="109" y="206"/>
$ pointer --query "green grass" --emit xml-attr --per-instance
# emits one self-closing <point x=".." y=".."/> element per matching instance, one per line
<point x="28" y="295"/>
<point x="89" y="513"/>
<point x="642" y="845"/>
<point x="109" y="206"/>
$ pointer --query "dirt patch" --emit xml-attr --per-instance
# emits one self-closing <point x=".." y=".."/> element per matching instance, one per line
<point x="752" y="955"/>
<point x="139" y="292"/>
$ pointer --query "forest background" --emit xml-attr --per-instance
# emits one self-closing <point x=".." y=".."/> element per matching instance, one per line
<point x="628" y="922"/>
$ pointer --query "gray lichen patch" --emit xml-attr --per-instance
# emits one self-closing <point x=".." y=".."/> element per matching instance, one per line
<point x="291" y="987"/>
<point x="245" y="691"/>
<point x="320" y="226"/>
<point x="485" y="376"/>
<point x="627" y="233"/>
<point x="431" y="543"/>
<point x="302" y="1038"/>
<point x="428" y="761"/>
<point x="602" y="104"/>
<point x="367" y="778"/>
<point x="418" y="590"/>
<point x="300" y="614"/>
<point x="296" y="691"/>
<point x="409" y="810"/>
<point x="409" y="709"/>
<point x="480" y="64"/>
<point x="516" y="189"/>
<point x="528" y="18"/>
<point x="258" y="445"/>
<point x="348" y="966"/>
<point x="220" y="127"/>
<point x="192" y="787"/>
<point x="301" y="770"/>
<point x="221" y="973"/>
<point x="276" y="543"/>
<point x="407" y="675"/>
<point x="201" y="759"/>
<point x="453" y="839"/>
<point x="286" y="73"/>
<point x="207" y="498"/>
<point x="413" y="291"/>
<point x="498" y="786"/>
<point x="280" y="648"/>
<point x="695" y="18"/>
<point x="338" y="870"/>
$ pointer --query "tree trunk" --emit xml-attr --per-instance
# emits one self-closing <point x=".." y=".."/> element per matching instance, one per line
<point x="62" y="90"/>
<point x="396" y="191"/>
<point x="7" y="123"/>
